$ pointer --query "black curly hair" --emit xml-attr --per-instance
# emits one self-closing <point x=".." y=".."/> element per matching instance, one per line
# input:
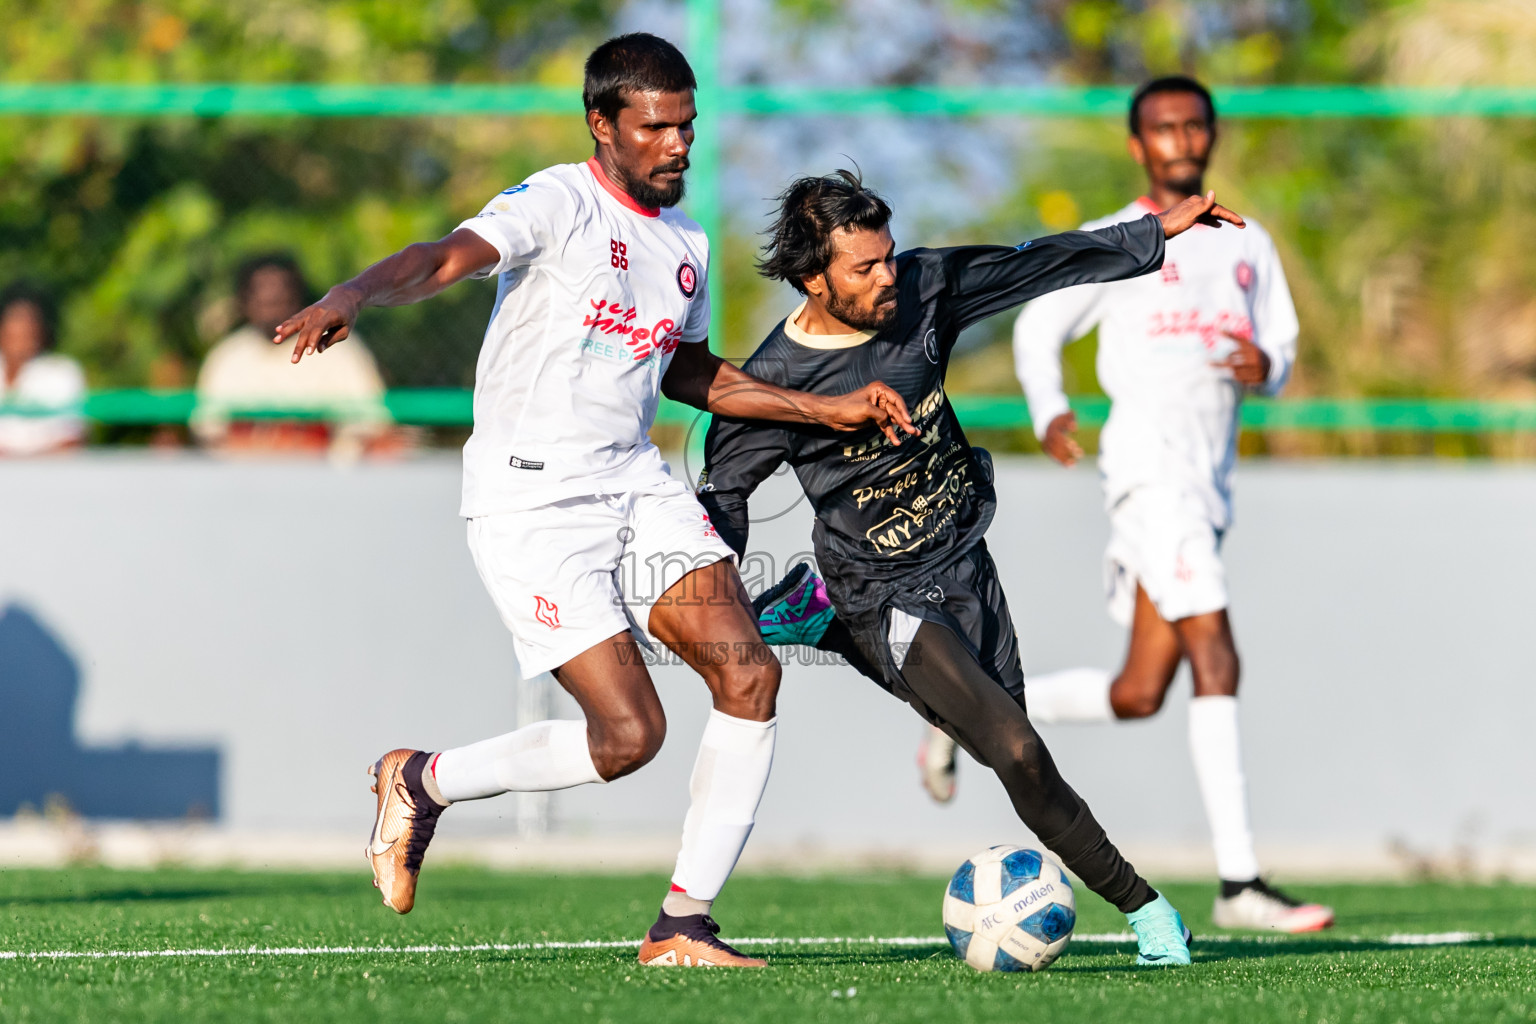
<point x="810" y="210"/>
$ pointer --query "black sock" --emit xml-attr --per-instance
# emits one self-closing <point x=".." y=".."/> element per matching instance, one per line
<point x="1087" y="851"/>
<point x="413" y="772"/>
<point x="1230" y="889"/>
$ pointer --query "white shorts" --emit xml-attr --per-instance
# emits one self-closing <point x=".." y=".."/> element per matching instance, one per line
<point x="568" y="575"/>
<point x="1162" y="538"/>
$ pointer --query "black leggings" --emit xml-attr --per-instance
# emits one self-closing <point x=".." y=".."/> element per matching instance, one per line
<point x="948" y="686"/>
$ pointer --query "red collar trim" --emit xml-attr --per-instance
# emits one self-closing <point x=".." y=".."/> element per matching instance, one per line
<point x="618" y="193"/>
<point x="1148" y="204"/>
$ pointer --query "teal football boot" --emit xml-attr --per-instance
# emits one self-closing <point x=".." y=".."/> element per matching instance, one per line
<point x="1161" y="938"/>
<point x="795" y="610"/>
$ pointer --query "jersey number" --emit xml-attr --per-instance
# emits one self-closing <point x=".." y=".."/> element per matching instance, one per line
<point x="619" y="254"/>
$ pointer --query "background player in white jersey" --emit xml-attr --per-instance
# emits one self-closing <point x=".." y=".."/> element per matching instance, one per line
<point x="601" y="307"/>
<point x="1177" y="350"/>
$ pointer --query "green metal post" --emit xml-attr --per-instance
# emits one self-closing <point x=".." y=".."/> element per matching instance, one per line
<point x="704" y="181"/>
<point x="704" y="184"/>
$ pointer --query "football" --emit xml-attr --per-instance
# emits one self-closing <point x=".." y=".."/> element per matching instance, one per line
<point x="1009" y="908"/>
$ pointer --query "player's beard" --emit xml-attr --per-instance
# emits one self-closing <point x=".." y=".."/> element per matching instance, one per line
<point x="1186" y="186"/>
<point x="1189" y="179"/>
<point x="647" y="194"/>
<point x="872" y="319"/>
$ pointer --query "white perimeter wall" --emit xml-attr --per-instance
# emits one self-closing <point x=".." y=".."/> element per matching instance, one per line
<point x="304" y="618"/>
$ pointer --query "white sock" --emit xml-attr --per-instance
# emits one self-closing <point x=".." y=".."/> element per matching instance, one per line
<point x="1217" y="753"/>
<point x="539" y="757"/>
<point x="728" y="782"/>
<point x="679" y="904"/>
<point x="1071" y="695"/>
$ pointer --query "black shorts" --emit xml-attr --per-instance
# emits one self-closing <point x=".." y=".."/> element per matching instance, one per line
<point x="961" y="615"/>
<point x="967" y="598"/>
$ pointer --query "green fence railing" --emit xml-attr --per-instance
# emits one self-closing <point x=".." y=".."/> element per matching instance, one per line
<point x="1003" y="412"/>
<point x="224" y="99"/>
<point x="452" y="407"/>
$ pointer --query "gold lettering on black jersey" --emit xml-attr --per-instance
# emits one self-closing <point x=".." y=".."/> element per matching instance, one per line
<point x="930" y="404"/>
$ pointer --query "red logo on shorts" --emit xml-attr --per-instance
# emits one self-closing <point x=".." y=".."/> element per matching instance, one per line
<point x="546" y="612"/>
<point x="709" y="527"/>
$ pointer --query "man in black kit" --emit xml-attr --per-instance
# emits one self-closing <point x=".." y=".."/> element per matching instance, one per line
<point x="898" y="531"/>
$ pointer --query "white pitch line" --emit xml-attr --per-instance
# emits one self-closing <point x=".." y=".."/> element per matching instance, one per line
<point x="1396" y="939"/>
<point x="1437" y="938"/>
<point x="1428" y="939"/>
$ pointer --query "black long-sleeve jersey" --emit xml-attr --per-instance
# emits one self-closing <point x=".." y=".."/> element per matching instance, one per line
<point x="886" y="514"/>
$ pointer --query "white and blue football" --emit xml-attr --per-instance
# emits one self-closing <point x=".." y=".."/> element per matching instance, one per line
<point x="1009" y="908"/>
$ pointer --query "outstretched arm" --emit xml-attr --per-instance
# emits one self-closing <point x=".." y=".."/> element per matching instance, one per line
<point x="414" y="273"/>
<point x="986" y="279"/>
<point x="699" y="378"/>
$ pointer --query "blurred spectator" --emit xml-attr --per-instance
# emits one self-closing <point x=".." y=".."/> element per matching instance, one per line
<point x="338" y="397"/>
<point x="36" y="378"/>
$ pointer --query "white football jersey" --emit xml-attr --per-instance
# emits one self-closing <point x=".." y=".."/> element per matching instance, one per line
<point x="595" y="293"/>
<point x="1174" y="417"/>
<point x="50" y="381"/>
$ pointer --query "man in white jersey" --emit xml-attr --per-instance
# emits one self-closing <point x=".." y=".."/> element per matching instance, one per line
<point x="601" y="307"/>
<point x="1177" y="350"/>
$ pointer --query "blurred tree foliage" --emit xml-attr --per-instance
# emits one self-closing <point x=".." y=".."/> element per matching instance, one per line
<point x="1405" y="241"/>
<point x="138" y="223"/>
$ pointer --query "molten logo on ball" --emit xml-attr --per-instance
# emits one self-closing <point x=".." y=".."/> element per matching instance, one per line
<point x="1009" y="909"/>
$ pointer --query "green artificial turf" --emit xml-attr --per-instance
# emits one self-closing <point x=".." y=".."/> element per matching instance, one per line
<point x="1350" y="975"/>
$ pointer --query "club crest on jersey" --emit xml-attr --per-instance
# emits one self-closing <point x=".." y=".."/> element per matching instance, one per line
<point x="546" y="612"/>
<point x="931" y="346"/>
<point x="687" y="279"/>
<point x="1244" y="274"/>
